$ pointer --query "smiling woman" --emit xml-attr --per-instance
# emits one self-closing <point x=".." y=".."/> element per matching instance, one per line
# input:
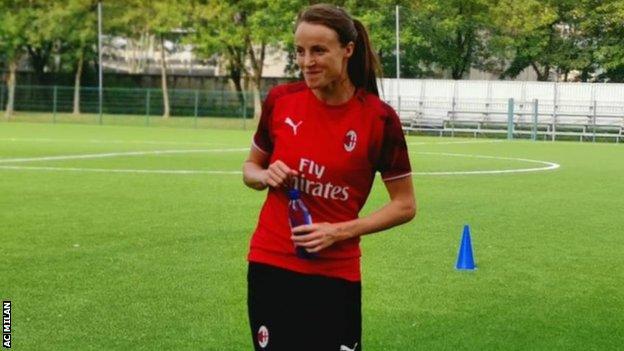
<point x="326" y="137"/>
<point x="333" y="52"/>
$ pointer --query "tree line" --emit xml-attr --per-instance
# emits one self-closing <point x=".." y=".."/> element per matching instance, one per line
<point x="557" y="39"/>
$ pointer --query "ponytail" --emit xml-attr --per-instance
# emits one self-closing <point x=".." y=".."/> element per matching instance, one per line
<point x="363" y="66"/>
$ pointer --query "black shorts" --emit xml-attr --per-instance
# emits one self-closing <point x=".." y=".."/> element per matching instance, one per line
<point x="291" y="311"/>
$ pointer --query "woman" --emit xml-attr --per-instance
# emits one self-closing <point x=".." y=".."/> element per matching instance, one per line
<point x="326" y="137"/>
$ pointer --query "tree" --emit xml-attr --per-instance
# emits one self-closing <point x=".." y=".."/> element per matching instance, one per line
<point x="40" y="40"/>
<point x="451" y="33"/>
<point x="215" y="36"/>
<point x="437" y="37"/>
<point x="14" y="22"/>
<point x="157" y="18"/>
<point x="380" y="19"/>
<point x="548" y="36"/>
<point x="268" y="23"/>
<point x="243" y="30"/>
<point x="76" y="32"/>
<point x="608" y="19"/>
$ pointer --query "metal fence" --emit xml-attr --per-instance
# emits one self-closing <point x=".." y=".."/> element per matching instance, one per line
<point x="131" y="101"/>
<point x="516" y="119"/>
<point x="446" y="90"/>
<point x="581" y="111"/>
<point x="545" y="110"/>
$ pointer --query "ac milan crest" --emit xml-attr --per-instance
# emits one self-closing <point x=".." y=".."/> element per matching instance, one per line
<point x="349" y="140"/>
<point x="263" y="336"/>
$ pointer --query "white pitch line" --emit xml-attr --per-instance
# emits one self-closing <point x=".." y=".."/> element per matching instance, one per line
<point x="549" y="165"/>
<point x="114" y="154"/>
<point x="456" y="142"/>
<point x="104" y="170"/>
<point x="111" y="141"/>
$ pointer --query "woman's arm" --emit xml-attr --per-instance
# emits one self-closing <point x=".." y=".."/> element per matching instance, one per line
<point x="258" y="174"/>
<point x="400" y="209"/>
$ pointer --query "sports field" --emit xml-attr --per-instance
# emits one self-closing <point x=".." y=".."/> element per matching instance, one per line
<point x="134" y="238"/>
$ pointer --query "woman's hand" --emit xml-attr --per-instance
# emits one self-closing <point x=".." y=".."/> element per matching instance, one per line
<point x="258" y="173"/>
<point x="317" y="236"/>
<point x="278" y="174"/>
<point x="401" y="208"/>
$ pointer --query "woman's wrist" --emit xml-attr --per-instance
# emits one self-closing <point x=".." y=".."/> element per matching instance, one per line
<point x="263" y="176"/>
<point x="345" y="230"/>
<point x="256" y="178"/>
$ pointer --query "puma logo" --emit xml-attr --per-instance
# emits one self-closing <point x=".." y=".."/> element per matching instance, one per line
<point x="292" y="124"/>
<point x="346" y="348"/>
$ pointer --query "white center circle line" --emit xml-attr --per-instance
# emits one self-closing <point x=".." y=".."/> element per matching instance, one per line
<point x="114" y="154"/>
<point x="547" y="165"/>
<point x="454" y="142"/>
<point x="113" y="170"/>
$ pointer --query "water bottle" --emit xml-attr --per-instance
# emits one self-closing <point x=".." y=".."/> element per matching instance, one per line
<point x="298" y="214"/>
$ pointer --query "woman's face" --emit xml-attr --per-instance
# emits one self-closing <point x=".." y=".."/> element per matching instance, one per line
<point x="320" y="56"/>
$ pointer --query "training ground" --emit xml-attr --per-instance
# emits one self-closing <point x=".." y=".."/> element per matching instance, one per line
<point x="134" y="238"/>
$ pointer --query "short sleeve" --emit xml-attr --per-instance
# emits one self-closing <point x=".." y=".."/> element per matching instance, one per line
<point x="263" y="139"/>
<point x="393" y="160"/>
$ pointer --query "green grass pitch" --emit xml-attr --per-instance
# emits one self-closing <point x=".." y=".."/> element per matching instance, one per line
<point x="125" y="252"/>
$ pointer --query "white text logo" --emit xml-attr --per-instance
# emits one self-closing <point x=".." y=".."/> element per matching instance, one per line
<point x="317" y="187"/>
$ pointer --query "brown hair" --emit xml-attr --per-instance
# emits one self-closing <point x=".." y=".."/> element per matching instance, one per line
<point x="363" y="65"/>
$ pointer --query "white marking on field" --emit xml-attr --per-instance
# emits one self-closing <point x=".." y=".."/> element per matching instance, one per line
<point x="107" y="141"/>
<point x="108" y="170"/>
<point x="114" y="154"/>
<point x="455" y="142"/>
<point x="547" y="165"/>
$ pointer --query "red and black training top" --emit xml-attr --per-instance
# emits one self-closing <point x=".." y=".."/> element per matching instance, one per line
<point x="337" y="149"/>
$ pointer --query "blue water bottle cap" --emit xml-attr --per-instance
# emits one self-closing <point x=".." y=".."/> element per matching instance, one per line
<point x="293" y="194"/>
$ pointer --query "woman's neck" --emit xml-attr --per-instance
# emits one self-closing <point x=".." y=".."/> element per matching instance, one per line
<point x="336" y="93"/>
